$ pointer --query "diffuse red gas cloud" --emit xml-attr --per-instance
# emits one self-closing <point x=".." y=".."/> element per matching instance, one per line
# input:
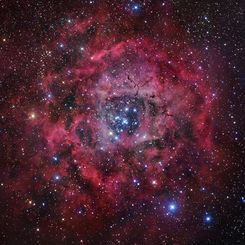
<point x="124" y="124"/>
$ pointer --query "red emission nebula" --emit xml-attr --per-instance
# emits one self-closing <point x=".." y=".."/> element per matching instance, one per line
<point x="117" y="145"/>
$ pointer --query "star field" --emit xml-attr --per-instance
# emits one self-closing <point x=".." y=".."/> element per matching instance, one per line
<point x="122" y="122"/>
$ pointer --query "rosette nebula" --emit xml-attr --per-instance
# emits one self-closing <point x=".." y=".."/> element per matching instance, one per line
<point x="121" y="123"/>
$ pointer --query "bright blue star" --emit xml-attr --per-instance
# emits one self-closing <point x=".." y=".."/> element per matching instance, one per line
<point x="136" y="7"/>
<point x="56" y="177"/>
<point x="208" y="218"/>
<point x="125" y="121"/>
<point x="56" y="159"/>
<point x="171" y="208"/>
<point x="136" y="182"/>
